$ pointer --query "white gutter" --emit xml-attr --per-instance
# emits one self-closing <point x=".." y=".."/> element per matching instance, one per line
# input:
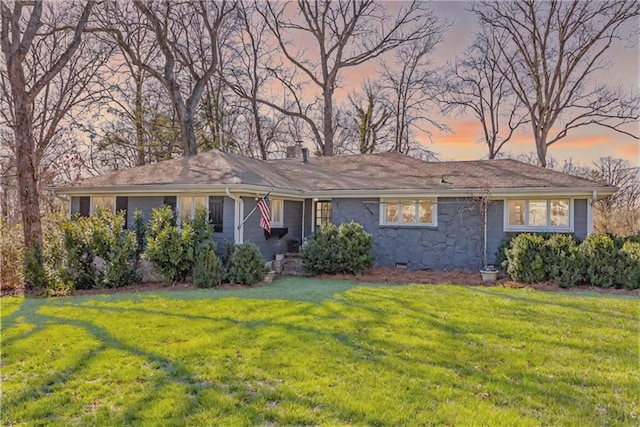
<point x="238" y="228"/>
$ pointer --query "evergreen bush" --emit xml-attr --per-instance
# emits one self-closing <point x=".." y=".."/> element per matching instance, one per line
<point x="140" y="231"/>
<point x="246" y="265"/>
<point x="170" y="248"/>
<point x="525" y="258"/>
<point x="564" y="260"/>
<point x="344" y="249"/>
<point x="98" y="253"/>
<point x="630" y="264"/>
<point x="601" y="258"/>
<point x="207" y="270"/>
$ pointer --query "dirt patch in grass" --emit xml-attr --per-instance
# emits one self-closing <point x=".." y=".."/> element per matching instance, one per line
<point x="375" y="275"/>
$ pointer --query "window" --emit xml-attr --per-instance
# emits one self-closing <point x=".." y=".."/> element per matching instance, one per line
<point x="323" y="213"/>
<point x="104" y="202"/>
<point x="408" y="212"/>
<point x="216" y="212"/>
<point x="188" y="205"/>
<point x="277" y="208"/>
<point x="538" y="214"/>
<point x="84" y="205"/>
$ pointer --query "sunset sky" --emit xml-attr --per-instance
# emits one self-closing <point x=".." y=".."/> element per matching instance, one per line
<point x="582" y="145"/>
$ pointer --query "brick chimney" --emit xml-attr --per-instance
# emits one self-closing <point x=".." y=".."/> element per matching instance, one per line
<point x="295" y="151"/>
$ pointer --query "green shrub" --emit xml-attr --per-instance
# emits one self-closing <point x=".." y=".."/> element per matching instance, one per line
<point x="140" y="231"/>
<point x="227" y="251"/>
<point x="630" y="264"/>
<point x="35" y="274"/>
<point x="169" y="248"/>
<point x="601" y="257"/>
<point x="98" y="253"/>
<point x="320" y="252"/>
<point x="564" y="260"/>
<point x="11" y="256"/>
<point x="246" y="265"/>
<point x="202" y="229"/>
<point x="501" y="253"/>
<point x="207" y="269"/>
<point x="344" y="249"/>
<point x="525" y="261"/>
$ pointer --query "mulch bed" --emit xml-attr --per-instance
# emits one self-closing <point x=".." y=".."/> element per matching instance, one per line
<point x="375" y="275"/>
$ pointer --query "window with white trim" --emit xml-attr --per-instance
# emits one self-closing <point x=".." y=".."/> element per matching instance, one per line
<point x="408" y="212"/>
<point x="188" y="205"/>
<point x="538" y="214"/>
<point x="103" y="202"/>
<point x="277" y="212"/>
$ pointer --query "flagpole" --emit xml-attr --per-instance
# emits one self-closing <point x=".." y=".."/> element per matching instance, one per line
<point x="253" y="210"/>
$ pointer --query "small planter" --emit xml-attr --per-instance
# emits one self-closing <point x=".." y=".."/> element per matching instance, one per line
<point x="268" y="278"/>
<point x="489" y="274"/>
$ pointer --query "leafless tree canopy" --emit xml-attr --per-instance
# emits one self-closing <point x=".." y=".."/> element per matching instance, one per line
<point x="475" y="85"/>
<point x="549" y="53"/>
<point x="344" y="35"/>
<point x="186" y="34"/>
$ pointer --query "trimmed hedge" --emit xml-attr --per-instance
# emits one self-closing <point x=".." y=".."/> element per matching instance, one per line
<point x="599" y="260"/>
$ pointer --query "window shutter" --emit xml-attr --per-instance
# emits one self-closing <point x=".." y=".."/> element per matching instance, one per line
<point x="122" y="204"/>
<point x="85" y="206"/>
<point x="216" y="212"/>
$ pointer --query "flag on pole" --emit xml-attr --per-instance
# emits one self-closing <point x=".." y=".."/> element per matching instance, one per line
<point x="265" y="213"/>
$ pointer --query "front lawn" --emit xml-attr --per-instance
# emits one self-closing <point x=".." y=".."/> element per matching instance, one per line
<point x="312" y="352"/>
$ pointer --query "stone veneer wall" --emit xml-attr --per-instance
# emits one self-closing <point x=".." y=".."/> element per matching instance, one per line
<point x="456" y="242"/>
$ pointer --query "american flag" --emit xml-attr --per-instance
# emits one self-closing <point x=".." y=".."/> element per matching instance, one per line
<point x="265" y="213"/>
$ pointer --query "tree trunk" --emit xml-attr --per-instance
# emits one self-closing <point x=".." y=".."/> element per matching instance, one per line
<point x="140" y="157"/>
<point x="327" y="122"/>
<point x="27" y="179"/>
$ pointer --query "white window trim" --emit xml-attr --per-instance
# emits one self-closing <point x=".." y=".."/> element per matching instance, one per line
<point x="92" y="209"/>
<point x="434" y="212"/>
<point x="193" y="210"/>
<point x="544" y="229"/>
<point x="280" y="211"/>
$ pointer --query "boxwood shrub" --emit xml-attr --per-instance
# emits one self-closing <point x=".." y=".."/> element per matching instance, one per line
<point x="344" y="249"/>
<point x="246" y="265"/>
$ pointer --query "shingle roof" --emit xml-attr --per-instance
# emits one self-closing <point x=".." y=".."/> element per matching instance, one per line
<point x="385" y="171"/>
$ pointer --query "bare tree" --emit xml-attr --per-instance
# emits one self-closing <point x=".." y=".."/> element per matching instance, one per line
<point x="248" y="74"/>
<point x="37" y="45"/>
<point x="370" y="118"/>
<point x="619" y="213"/>
<point x="344" y="34"/>
<point x="187" y="35"/>
<point x="550" y="51"/>
<point x="476" y="85"/>
<point x="412" y="87"/>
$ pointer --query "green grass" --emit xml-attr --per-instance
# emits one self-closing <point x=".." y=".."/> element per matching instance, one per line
<point x="311" y="352"/>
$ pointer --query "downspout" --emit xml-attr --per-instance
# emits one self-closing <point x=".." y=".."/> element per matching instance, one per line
<point x="486" y="211"/>
<point x="594" y="197"/>
<point x="302" y="231"/>
<point x="238" y="229"/>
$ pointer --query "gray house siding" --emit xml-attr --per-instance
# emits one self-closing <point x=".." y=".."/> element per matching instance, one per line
<point x="292" y="219"/>
<point x="580" y="218"/>
<point x="456" y="242"/>
<point x="495" y="228"/>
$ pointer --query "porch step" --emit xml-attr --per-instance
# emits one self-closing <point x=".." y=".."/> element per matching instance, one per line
<point x="290" y="265"/>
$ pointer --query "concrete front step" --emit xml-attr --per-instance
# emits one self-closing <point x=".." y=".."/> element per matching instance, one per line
<point x="289" y="264"/>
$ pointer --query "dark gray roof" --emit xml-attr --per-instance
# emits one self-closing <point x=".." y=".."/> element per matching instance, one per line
<point x="385" y="171"/>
